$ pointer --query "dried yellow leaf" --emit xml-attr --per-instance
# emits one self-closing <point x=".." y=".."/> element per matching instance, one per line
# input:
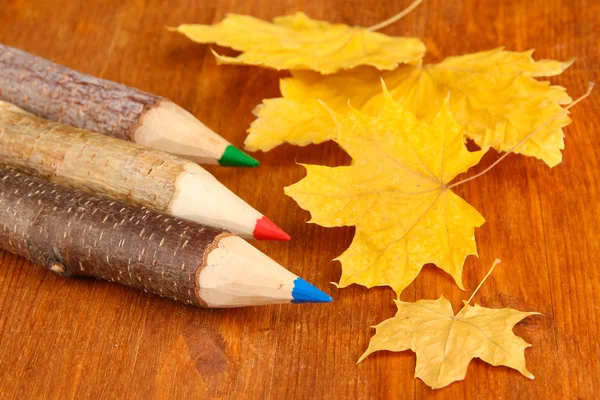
<point x="493" y="94"/>
<point x="297" y="42"/>
<point x="445" y="344"/>
<point x="395" y="193"/>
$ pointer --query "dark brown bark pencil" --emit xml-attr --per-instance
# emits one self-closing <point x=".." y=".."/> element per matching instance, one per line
<point x="73" y="233"/>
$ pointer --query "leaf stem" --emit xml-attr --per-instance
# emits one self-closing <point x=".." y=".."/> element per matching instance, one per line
<point x="496" y="262"/>
<point x="396" y="17"/>
<point x="526" y="138"/>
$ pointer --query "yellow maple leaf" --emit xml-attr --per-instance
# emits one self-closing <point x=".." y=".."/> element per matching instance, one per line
<point x="297" y="42"/>
<point x="395" y="193"/>
<point x="493" y="94"/>
<point x="445" y="344"/>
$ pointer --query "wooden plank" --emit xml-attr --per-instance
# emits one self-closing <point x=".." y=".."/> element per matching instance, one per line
<point x="63" y="338"/>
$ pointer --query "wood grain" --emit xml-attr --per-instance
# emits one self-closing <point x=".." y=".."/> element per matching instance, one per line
<point x="84" y="339"/>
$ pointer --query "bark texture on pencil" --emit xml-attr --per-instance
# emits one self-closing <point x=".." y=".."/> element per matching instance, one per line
<point x="76" y="234"/>
<point x="78" y="158"/>
<point x="71" y="97"/>
<point x="73" y="233"/>
<point x="60" y="94"/>
<point x="100" y="164"/>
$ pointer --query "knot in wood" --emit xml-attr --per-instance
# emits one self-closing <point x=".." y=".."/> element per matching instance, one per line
<point x="57" y="268"/>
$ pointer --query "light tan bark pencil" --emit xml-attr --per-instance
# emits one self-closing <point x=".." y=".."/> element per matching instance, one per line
<point x="123" y="170"/>
<point x="60" y="94"/>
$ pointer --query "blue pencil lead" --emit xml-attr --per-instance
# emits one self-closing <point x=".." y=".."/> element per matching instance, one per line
<point x="304" y="292"/>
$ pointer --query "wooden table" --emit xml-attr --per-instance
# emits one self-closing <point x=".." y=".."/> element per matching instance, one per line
<point x="62" y="338"/>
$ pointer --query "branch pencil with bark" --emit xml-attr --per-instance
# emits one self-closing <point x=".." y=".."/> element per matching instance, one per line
<point x="60" y="94"/>
<point x="123" y="170"/>
<point x="73" y="233"/>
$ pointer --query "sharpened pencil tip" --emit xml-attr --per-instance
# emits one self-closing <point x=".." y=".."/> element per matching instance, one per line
<point x="234" y="157"/>
<point x="304" y="292"/>
<point x="265" y="229"/>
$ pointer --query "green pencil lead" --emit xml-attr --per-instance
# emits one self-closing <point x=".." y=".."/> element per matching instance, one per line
<point x="234" y="157"/>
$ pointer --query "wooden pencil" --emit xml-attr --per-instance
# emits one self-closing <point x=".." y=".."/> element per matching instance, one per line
<point x="60" y="94"/>
<point x="123" y="170"/>
<point x="73" y="233"/>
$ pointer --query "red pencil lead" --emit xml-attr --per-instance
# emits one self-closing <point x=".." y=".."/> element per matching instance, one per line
<point x="265" y="229"/>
